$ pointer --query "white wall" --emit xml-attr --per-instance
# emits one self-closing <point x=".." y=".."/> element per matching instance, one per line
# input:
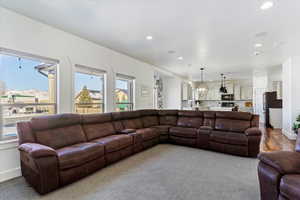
<point x="172" y="91"/>
<point x="10" y="161"/>
<point x="291" y="94"/>
<point x="287" y="97"/>
<point x="274" y="74"/>
<point x="260" y="86"/>
<point x="26" y="35"/>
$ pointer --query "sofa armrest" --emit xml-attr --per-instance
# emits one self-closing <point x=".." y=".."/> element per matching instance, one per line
<point x="126" y="131"/>
<point x="254" y="131"/>
<point x="285" y="162"/>
<point x="40" y="166"/>
<point x="37" y="150"/>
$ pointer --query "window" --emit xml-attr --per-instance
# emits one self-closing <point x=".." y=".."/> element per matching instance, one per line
<point x="89" y="90"/>
<point x="124" y="92"/>
<point x="27" y="89"/>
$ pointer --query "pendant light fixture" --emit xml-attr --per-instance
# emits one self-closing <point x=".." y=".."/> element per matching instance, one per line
<point x="202" y="87"/>
<point x="223" y="88"/>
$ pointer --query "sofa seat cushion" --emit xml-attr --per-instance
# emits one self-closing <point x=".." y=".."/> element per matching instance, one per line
<point x="229" y="138"/>
<point x="163" y="129"/>
<point x="148" y="133"/>
<point x="290" y="186"/>
<point x="115" y="142"/>
<point x="79" y="154"/>
<point x="184" y="132"/>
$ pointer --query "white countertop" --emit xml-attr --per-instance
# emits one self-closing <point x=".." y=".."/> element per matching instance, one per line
<point x="218" y="108"/>
<point x="221" y="108"/>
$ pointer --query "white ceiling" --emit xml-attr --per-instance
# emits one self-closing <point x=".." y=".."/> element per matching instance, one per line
<point x="217" y="34"/>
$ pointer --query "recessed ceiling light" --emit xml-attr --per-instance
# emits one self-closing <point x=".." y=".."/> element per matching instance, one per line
<point x="261" y="34"/>
<point x="267" y="5"/>
<point x="149" y="37"/>
<point x="180" y="58"/>
<point x="258" y="45"/>
<point x="257" y="53"/>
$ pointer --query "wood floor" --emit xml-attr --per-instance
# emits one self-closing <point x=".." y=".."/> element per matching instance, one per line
<point x="274" y="140"/>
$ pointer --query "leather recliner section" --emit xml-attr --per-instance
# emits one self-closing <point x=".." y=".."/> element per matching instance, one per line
<point x="279" y="174"/>
<point x="186" y="130"/>
<point x="60" y="149"/>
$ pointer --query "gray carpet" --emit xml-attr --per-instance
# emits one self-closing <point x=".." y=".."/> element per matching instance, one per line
<point x="164" y="172"/>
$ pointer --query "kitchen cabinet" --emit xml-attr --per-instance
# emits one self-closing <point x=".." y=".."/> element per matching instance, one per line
<point x="229" y="86"/>
<point x="240" y="90"/>
<point x="246" y="92"/>
<point x="213" y="93"/>
<point x="237" y="92"/>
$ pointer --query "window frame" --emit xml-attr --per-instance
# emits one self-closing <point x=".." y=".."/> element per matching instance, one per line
<point x="90" y="71"/>
<point x="23" y="55"/>
<point x="131" y="81"/>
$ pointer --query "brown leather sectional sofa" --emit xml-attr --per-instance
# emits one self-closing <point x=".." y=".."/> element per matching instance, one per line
<point x="279" y="174"/>
<point x="60" y="149"/>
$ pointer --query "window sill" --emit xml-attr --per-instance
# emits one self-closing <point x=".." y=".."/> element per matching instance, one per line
<point x="8" y="137"/>
<point x="9" y="143"/>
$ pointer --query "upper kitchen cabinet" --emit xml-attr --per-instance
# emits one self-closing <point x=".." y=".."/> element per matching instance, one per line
<point x="237" y="92"/>
<point x="246" y="92"/>
<point x="241" y="89"/>
<point x="230" y="87"/>
<point x="213" y="92"/>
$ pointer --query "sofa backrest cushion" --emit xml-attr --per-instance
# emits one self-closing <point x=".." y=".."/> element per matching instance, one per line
<point x="209" y="118"/>
<point x="58" y="131"/>
<point x="133" y="123"/>
<point x="168" y="117"/>
<point x="233" y="121"/>
<point x="191" y="119"/>
<point x="131" y="120"/>
<point x="25" y="132"/>
<point x="97" y="125"/>
<point x="149" y="118"/>
<point x="117" y="121"/>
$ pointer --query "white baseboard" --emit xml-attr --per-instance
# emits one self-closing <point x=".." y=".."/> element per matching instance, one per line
<point x="289" y="134"/>
<point x="10" y="174"/>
